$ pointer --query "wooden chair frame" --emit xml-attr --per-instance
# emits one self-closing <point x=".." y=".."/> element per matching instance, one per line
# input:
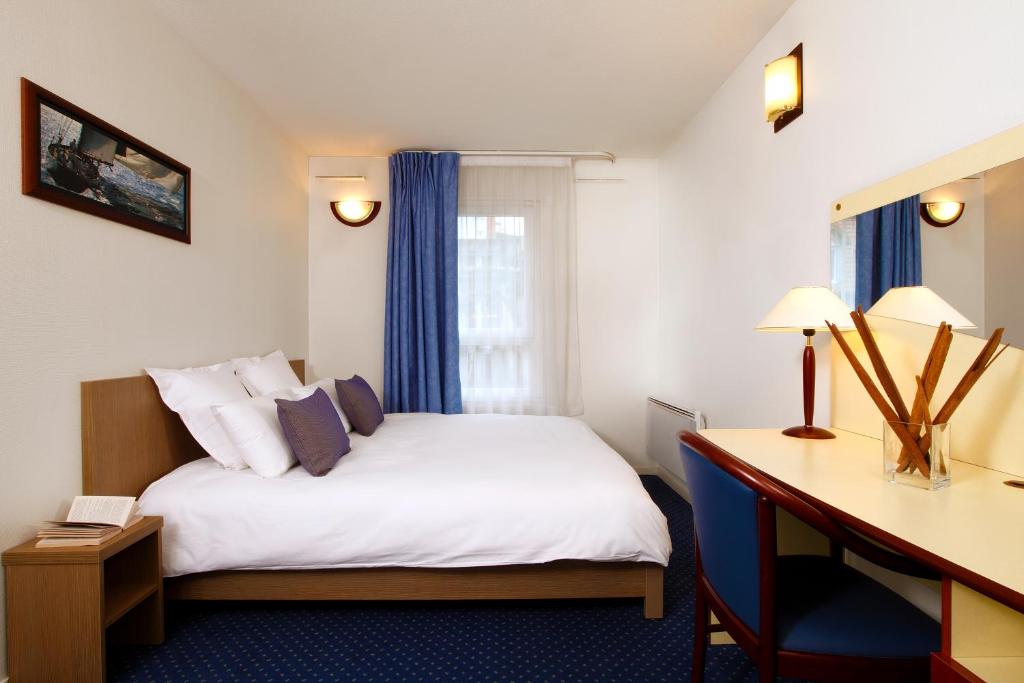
<point x="762" y="646"/>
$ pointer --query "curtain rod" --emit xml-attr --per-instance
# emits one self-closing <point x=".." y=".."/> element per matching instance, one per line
<point x="607" y="156"/>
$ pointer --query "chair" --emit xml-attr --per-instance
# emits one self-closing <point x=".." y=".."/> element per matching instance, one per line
<point x="801" y="616"/>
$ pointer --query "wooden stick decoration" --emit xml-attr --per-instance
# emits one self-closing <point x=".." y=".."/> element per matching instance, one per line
<point x="932" y="369"/>
<point x="927" y="412"/>
<point x="878" y="363"/>
<point x="925" y="427"/>
<point x="886" y="379"/>
<point x="928" y="423"/>
<point x="930" y="375"/>
<point x="973" y="374"/>
<point x="993" y="359"/>
<point x="898" y="427"/>
<point x="915" y="446"/>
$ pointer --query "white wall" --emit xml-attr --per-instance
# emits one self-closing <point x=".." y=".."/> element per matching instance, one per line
<point x="86" y="298"/>
<point x="618" y="287"/>
<point x="953" y="258"/>
<point x="618" y="299"/>
<point x="745" y="212"/>
<point x="347" y="272"/>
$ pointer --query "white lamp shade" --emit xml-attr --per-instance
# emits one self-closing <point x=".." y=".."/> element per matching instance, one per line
<point x="807" y="308"/>
<point x="781" y="87"/>
<point x="919" y="305"/>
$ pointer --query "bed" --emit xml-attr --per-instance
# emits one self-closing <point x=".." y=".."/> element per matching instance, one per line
<point x="434" y="507"/>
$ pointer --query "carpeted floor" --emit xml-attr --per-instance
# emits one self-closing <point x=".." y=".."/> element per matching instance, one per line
<point x="473" y="641"/>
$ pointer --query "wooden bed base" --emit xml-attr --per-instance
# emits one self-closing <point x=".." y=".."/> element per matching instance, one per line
<point x="130" y="439"/>
<point x="555" y="580"/>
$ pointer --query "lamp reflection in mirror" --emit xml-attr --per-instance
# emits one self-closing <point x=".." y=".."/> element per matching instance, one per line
<point x="805" y="309"/>
<point x="783" y="89"/>
<point x="919" y="305"/>
<point x="355" y="212"/>
<point x="942" y="214"/>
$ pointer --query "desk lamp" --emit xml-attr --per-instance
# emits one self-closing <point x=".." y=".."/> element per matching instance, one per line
<point x="919" y="305"/>
<point x="805" y="309"/>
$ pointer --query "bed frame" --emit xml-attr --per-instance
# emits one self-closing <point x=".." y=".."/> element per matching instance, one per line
<point x="130" y="439"/>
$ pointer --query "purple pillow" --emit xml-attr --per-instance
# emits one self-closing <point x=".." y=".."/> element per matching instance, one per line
<point x="314" y="431"/>
<point x="360" y="404"/>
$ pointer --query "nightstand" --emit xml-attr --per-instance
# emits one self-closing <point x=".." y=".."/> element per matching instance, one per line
<point x="64" y="603"/>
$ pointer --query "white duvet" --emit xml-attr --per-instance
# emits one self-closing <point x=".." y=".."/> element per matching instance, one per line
<point x="424" y="491"/>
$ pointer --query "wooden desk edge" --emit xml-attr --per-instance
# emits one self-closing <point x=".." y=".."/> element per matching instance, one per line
<point x="27" y="553"/>
<point x="983" y="585"/>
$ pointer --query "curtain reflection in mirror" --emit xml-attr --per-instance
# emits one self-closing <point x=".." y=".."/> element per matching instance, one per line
<point x="888" y="246"/>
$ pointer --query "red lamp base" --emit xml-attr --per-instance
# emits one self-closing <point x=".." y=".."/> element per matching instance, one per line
<point x="805" y="432"/>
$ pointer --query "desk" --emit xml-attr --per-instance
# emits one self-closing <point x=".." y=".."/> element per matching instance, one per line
<point x="971" y="533"/>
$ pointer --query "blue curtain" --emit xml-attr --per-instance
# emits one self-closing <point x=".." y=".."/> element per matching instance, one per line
<point x="421" y="334"/>
<point x="888" y="249"/>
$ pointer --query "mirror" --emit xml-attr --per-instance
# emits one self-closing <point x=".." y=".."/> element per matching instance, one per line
<point x="975" y="261"/>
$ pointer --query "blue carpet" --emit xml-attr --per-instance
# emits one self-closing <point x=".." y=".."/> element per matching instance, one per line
<point x="600" y="640"/>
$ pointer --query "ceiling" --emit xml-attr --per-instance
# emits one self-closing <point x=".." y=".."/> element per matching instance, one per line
<point x="367" y="77"/>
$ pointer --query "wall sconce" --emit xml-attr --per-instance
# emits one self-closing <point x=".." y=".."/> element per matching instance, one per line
<point x="783" y="88"/>
<point x="942" y="214"/>
<point x="355" y="213"/>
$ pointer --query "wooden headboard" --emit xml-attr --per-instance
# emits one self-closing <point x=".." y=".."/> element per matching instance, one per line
<point x="130" y="438"/>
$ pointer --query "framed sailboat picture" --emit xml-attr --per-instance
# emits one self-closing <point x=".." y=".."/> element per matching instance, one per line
<point x="72" y="158"/>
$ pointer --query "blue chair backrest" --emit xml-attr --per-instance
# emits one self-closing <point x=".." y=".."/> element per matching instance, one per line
<point x="725" y="517"/>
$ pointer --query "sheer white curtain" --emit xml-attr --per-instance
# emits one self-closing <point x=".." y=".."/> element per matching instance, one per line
<point x="518" y="331"/>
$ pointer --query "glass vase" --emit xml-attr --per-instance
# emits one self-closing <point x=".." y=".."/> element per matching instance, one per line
<point x="900" y="467"/>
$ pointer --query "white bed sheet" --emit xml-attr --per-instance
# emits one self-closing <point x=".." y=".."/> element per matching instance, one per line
<point x="423" y="491"/>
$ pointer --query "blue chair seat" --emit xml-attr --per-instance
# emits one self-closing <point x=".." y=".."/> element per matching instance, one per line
<point x="827" y="607"/>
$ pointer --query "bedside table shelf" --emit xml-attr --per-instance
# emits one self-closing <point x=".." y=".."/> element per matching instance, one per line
<point x="64" y="604"/>
<point x="123" y="598"/>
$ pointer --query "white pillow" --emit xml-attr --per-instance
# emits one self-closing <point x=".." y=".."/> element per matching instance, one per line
<point x="191" y="392"/>
<point x="331" y="389"/>
<point x="262" y="376"/>
<point x="255" y="431"/>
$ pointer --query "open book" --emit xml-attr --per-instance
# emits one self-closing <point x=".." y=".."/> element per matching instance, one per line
<point x="90" y="521"/>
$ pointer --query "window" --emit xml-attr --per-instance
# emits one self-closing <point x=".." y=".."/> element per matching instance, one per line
<point x="518" y="335"/>
<point x="493" y="313"/>
<point x="844" y="260"/>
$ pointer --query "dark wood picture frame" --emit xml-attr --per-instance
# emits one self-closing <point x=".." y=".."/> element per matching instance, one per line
<point x="33" y="185"/>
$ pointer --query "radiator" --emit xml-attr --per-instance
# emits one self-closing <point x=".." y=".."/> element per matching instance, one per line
<point x="664" y="421"/>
